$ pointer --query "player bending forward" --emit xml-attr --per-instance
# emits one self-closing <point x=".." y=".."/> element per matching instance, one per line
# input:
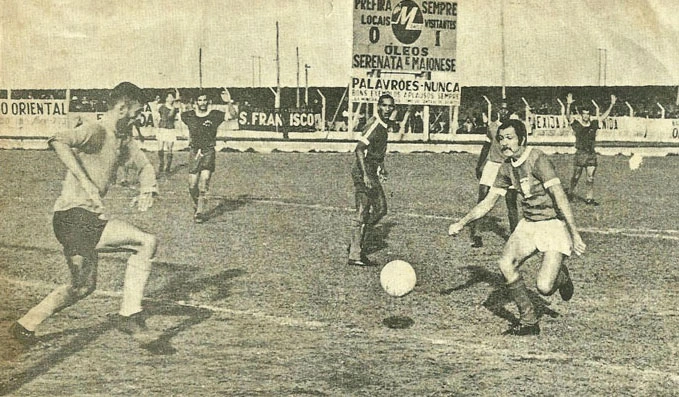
<point x="542" y="228"/>
<point x="203" y="124"/>
<point x="91" y="154"/>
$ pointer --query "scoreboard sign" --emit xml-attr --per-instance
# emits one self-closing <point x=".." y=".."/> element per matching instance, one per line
<point x="406" y="48"/>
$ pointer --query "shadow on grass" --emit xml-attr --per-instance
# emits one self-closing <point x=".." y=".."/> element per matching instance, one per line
<point x="376" y="237"/>
<point x="492" y="224"/>
<point x="499" y="297"/>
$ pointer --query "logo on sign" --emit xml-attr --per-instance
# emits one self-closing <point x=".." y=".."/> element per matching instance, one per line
<point x="407" y="21"/>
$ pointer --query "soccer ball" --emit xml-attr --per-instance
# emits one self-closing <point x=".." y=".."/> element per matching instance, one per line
<point x="635" y="161"/>
<point x="398" y="278"/>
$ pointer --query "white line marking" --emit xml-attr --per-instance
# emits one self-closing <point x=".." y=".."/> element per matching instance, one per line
<point x="474" y="347"/>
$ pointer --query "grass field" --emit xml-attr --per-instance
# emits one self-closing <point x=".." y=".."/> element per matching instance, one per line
<point x="259" y="300"/>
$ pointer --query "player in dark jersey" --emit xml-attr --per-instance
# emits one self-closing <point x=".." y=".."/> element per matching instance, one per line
<point x="166" y="134"/>
<point x="489" y="163"/>
<point x="547" y="225"/>
<point x="202" y="124"/>
<point x="585" y="154"/>
<point x="368" y="169"/>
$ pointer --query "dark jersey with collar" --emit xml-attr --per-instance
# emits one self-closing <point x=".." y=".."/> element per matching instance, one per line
<point x="203" y="129"/>
<point x="585" y="136"/>
<point x="375" y="136"/>
<point x="532" y="174"/>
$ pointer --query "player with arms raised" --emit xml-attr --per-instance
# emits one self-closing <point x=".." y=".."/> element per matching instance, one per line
<point x="91" y="154"/>
<point x="203" y="124"/>
<point x="371" y="204"/>
<point x="547" y="225"/>
<point x="585" y="155"/>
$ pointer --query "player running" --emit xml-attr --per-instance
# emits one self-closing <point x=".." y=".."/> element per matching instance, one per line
<point x="203" y="124"/>
<point x="487" y="167"/>
<point x="547" y="225"/>
<point x="371" y="204"/>
<point x="91" y="154"/>
<point x="585" y="155"/>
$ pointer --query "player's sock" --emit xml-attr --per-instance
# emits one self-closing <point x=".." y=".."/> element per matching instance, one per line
<point x="590" y="190"/>
<point x="519" y="293"/>
<point x="52" y="303"/>
<point x="161" y="161"/>
<point x="355" y="247"/>
<point x="136" y="275"/>
<point x="194" y="192"/>
<point x="168" y="167"/>
<point x="202" y="203"/>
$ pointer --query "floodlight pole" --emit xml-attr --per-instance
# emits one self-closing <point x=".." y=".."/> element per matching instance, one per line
<point x="306" y="84"/>
<point x="297" y="89"/>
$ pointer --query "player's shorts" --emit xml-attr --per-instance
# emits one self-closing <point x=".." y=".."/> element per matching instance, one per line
<point x="166" y="135"/>
<point x="78" y="230"/>
<point x="201" y="159"/>
<point x="585" y="159"/>
<point x="544" y="236"/>
<point x="359" y="184"/>
<point x="489" y="173"/>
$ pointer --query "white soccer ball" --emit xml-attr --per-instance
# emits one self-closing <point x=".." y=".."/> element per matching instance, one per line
<point x="398" y="278"/>
<point x="635" y="161"/>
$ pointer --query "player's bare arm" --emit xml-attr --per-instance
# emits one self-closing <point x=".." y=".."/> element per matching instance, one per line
<point x="478" y="212"/>
<point x="610" y="107"/>
<point x="569" y="102"/>
<point x="66" y="155"/>
<point x="561" y="201"/>
<point x="360" y="156"/>
<point x="148" y="188"/>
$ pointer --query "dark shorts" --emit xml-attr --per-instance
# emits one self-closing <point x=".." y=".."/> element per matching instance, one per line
<point x="78" y="230"/>
<point x="585" y="159"/>
<point x="203" y="161"/>
<point x="359" y="185"/>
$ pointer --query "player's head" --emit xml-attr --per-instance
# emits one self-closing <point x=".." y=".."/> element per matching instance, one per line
<point x="512" y="137"/>
<point x="125" y="103"/>
<point x="385" y="106"/>
<point x="202" y="100"/>
<point x="169" y="97"/>
<point x="586" y="114"/>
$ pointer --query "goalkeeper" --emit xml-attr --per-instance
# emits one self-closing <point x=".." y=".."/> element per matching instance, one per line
<point x="91" y="154"/>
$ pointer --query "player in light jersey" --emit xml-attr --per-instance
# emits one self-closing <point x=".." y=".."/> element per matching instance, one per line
<point x="585" y="154"/>
<point x="487" y="167"/>
<point x="547" y="225"/>
<point x="92" y="154"/>
<point x="203" y="124"/>
<point x="371" y="204"/>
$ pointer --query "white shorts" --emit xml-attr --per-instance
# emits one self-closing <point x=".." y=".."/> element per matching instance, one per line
<point x="544" y="236"/>
<point x="489" y="174"/>
<point x="165" y="135"/>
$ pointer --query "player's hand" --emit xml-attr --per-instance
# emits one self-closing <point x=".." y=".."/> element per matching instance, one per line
<point x="569" y="98"/>
<point x="368" y="182"/>
<point x="455" y="229"/>
<point x="144" y="201"/>
<point x="93" y="192"/>
<point x="614" y="99"/>
<point x="579" y="246"/>
<point x="226" y="95"/>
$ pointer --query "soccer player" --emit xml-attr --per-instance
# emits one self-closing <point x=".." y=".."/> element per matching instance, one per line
<point x="368" y="169"/>
<point x="585" y="155"/>
<point x="487" y="167"/>
<point x="547" y="225"/>
<point x="91" y="154"/>
<point x="166" y="134"/>
<point x="203" y="124"/>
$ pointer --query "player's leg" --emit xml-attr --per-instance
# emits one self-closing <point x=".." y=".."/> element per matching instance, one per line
<point x="519" y="247"/>
<point x="360" y="218"/>
<point x="203" y="188"/>
<point x="194" y="174"/>
<point x="161" y="152"/>
<point x="589" y="194"/>
<point x="477" y="241"/>
<point x="120" y="235"/>
<point x="512" y="201"/>
<point x="378" y="203"/>
<point x="555" y="242"/>
<point x="575" y="178"/>
<point x="168" y="163"/>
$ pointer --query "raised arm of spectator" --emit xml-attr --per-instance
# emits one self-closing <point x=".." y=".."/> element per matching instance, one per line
<point x="610" y="107"/>
<point x="230" y="112"/>
<point x="569" y="102"/>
